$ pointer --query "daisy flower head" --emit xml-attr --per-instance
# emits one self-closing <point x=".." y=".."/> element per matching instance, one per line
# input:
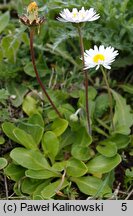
<point x="100" y="56"/>
<point x="76" y="16"/>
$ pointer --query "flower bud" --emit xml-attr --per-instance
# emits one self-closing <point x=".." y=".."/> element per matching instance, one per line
<point x="32" y="11"/>
<point x="74" y="118"/>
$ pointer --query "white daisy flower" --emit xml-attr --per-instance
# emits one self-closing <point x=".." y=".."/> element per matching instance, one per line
<point x="100" y="56"/>
<point x="78" y="16"/>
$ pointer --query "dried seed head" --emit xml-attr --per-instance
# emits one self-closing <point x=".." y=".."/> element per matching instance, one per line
<point x="32" y="19"/>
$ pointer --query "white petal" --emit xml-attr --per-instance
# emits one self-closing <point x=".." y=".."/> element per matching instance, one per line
<point x="108" y="52"/>
<point x="78" y="16"/>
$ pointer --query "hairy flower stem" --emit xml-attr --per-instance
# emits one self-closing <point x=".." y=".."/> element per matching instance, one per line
<point x="110" y="96"/>
<point x="86" y="80"/>
<point x="37" y="74"/>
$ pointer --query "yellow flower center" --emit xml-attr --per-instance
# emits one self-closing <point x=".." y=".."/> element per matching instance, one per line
<point x="98" y="57"/>
<point x="32" y="7"/>
<point x="74" y="14"/>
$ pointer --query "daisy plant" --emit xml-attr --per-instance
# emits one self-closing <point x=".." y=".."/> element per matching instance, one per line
<point x="101" y="58"/>
<point x="78" y="18"/>
<point x="32" y="20"/>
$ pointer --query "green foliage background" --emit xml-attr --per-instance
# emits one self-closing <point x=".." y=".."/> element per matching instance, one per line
<point x="30" y="129"/>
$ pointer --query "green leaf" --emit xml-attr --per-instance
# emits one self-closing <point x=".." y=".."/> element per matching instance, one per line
<point x="66" y="110"/>
<point x="4" y="94"/>
<point x="59" y="126"/>
<point x="10" y="47"/>
<point x="4" y="20"/>
<point x="50" y="190"/>
<point x="82" y="138"/>
<point x="37" y="193"/>
<point x="41" y="174"/>
<point x="120" y="140"/>
<point x="81" y="152"/>
<point x="24" y="138"/>
<point x="28" y="186"/>
<point x="34" y="127"/>
<point x="91" y="96"/>
<point x="59" y="97"/>
<point x="18" y="91"/>
<point x="107" y="148"/>
<point x="15" y="172"/>
<point x="89" y="185"/>
<point x="36" y="119"/>
<point x="67" y="138"/>
<point x="59" y="166"/>
<point x="30" y="106"/>
<point x="101" y="106"/>
<point x="127" y="88"/>
<point x="102" y="164"/>
<point x="28" y="69"/>
<point x="2" y="140"/>
<point x="8" y="129"/>
<point x="50" y="144"/>
<point x="123" y="119"/>
<point x="3" y="163"/>
<point x="76" y="168"/>
<point x="129" y="172"/>
<point x="31" y="159"/>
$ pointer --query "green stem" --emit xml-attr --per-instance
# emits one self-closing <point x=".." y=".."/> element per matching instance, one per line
<point x="110" y="96"/>
<point x="37" y="74"/>
<point x="86" y="80"/>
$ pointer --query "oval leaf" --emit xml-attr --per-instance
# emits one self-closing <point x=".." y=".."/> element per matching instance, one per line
<point x="2" y="140"/>
<point x="34" y="127"/>
<point x="59" y="126"/>
<point x="3" y="163"/>
<point x="50" y="144"/>
<point x="82" y="137"/>
<point x="14" y="171"/>
<point x="37" y="193"/>
<point x="123" y="118"/>
<point x="50" y="190"/>
<point x="28" y="186"/>
<point x="24" y="138"/>
<point x="81" y="152"/>
<point x="59" y="166"/>
<point x="19" y="91"/>
<point x="8" y="129"/>
<point x="107" y="148"/>
<point x="120" y="140"/>
<point x="76" y="168"/>
<point x="30" y="106"/>
<point x="4" y="20"/>
<point x="41" y="174"/>
<point x="102" y="164"/>
<point x="36" y="119"/>
<point x="90" y="185"/>
<point x="31" y="159"/>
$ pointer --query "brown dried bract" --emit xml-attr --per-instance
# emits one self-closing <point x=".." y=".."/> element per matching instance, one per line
<point x="26" y="21"/>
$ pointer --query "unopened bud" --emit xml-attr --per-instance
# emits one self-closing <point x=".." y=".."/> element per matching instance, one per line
<point x="74" y="118"/>
<point x="13" y="97"/>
